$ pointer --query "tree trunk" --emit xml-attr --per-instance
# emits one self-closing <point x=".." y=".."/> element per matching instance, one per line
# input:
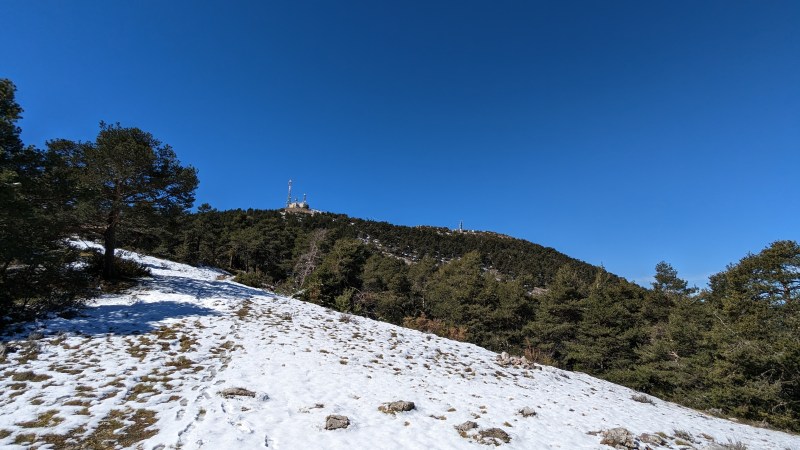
<point x="110" y="240"/>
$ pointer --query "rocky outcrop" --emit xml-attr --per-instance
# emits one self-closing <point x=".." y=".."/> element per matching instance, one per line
<point x="334" y="422"/>
<point x="506" y="360"/>
<point x="236" y="392"/>
<point x="396" y="407"/>
<point x="619" y="438"/>
<point x="654" y="439"/>
<point x="493" y="436"/>
<point x="466" y="426"/>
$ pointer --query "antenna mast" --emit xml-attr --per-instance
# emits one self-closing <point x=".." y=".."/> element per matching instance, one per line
<point x="289" y="197"/>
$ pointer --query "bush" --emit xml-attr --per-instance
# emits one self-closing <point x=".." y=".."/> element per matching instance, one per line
<point x="27" y="294"/>
<point x="253" y="279"/>
<point x="126" y="269"/>
<point x="437" y="327"/>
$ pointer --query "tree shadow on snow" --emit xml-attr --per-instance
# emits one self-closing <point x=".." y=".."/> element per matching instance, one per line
<point x="202" y="289"/>
<point x="136" y="318"/>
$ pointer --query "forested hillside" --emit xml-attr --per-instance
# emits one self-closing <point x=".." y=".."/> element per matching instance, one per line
<point x="733" y="349"/>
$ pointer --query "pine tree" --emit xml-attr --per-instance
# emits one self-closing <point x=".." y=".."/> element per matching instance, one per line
<point x="454" y="287"/>
<point x="339" y="270"/>
<point x="756" y="372"/>
<point x="610" y="329"/>
<point x="558" y="316"/>
<point x="35" y="270"/>
<point x="674" y="360"/>
<point x="127" y="180"/>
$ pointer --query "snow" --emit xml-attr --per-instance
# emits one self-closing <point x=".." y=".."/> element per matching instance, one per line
<point x="173" y="343"/>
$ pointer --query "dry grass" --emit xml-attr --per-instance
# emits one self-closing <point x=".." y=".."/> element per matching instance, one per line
<point x="245" y="310"/>
<point x="29" y="353"/>
<point x="26" y="438"/>
<point x="187" y="343"/>
<point x="683" y="434"/>
<point x="29" y="376"/>
<point x="69" y="440"/>
<point x="121" y="429"/>
<point x="66" y="370"/>
<point x="641" y="398"/>
<point x="141" y="389"/>
<point x="139" y="351"/>
<point x="77" y="403"/>
<point x="180" y="363"/>
<point x="45" y="419"/>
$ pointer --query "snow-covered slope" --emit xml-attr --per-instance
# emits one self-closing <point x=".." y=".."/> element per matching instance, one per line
<point x="147" y="369"/>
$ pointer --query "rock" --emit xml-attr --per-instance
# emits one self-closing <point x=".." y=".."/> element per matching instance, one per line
<point x="236" y="392"/>
<point x="654" y="439"/>
<point x="527" y="412"/>
<point x="494" y="436"/>
<point x="619" y="438"/>
<point x="334" y="422"/>
<point x="396" y="407"/>
<point x="506" y="360"/>
<point x="466" y="426"/>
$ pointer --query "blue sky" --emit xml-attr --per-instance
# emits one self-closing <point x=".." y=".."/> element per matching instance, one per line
<point x="622" y="133"/>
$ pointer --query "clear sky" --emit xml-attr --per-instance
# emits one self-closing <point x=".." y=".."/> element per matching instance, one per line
<point x="622" y="133"/>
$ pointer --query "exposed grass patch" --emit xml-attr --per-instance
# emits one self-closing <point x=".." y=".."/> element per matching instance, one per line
<point x="180" y="363"/>
<point x="108" y="395"/>
<point x="116" y="382"/>
<point x="45" y="419"/>
<point x="187" y="342"/>
<point x="66" y="370"/>
<point x="30" y="376"/>
<point x="141" y="389"/>
<point x="685" y="435"/>
<point x="121" y="429"/>
<point x="25" y="438"/>
<point x="245" y="310"/>
<point x="4" y="434"/>
<point x="17" y="386"/>
<point x="29" y="353"/>
<point x="138" y="351"/>
<point x="68" y="440"/>
<point x="85" y="391"/>
<point x="77" y="403"/>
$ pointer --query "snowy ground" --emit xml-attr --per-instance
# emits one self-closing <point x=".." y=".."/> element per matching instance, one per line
<point x="145" y="370"/>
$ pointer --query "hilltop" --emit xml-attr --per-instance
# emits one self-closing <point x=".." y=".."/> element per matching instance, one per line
<point x="148" y="368"/>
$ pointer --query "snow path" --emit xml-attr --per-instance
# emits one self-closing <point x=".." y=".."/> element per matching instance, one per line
<point x="170" y="346"/>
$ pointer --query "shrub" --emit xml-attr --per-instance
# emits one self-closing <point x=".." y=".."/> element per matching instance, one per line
<point x="126" y="269"/>
<point x="437" y="327"/>
<point x="641" y="398"/>
<point x="253" y="279"/>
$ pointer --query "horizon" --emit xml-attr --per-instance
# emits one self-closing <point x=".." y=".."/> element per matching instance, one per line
<point x="619" y="134"/>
